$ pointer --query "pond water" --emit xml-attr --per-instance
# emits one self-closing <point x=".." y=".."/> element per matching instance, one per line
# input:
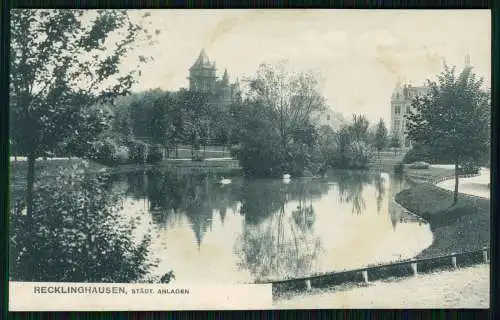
<point x="252" y="230"/>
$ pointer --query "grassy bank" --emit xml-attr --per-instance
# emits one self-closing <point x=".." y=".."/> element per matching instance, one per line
<point x="461" y="227"/>
<point x="47" y="169"/>
<point x="428" y="175"/>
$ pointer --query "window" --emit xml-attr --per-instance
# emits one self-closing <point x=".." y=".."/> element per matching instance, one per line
<point x="397" y="109"/>
<point x="403" y="109"/>
<point x="328" y="117"/>
<point x="396" y="125"/>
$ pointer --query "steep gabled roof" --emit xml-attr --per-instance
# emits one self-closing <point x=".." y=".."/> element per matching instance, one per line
<point x="202" y="61"/>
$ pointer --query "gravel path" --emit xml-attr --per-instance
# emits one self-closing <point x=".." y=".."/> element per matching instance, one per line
<point x="463" y="288"/>
<point x="476" y="186"/>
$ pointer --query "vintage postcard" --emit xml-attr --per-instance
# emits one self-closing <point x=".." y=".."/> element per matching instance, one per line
<point x="249" y="159"/>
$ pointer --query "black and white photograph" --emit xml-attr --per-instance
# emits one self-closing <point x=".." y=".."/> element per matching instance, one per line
<point x="338" y="158"/>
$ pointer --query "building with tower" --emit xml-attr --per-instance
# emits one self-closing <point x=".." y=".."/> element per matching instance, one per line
<point x="401" y="99"/>
<point x="203" y="78"/>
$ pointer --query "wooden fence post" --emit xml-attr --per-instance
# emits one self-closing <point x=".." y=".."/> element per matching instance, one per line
<point x="485" y="255"/>
<point x="414" y="268"/>
<point x="364" y="273"/>
<point x="454" y="260"/>
<point x="308" y="285"/>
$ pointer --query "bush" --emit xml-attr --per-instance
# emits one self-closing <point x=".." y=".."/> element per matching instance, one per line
<point x="468" y="168"/>
<point x="155" y="154"/>
<point x="122" y="155"/>
<point x="138" y="151"/>
<point x="104" y="151"/>
<point x="358" y="155"/>
<point x="419" y="165"/>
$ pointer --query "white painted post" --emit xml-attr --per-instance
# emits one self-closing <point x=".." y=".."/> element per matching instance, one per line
<point x="454" y="261"/>
<point x="485" y="255"/>
<point x="308" y="285"/>
<point x="414" y="268"/>
<point x="365" y="276"/>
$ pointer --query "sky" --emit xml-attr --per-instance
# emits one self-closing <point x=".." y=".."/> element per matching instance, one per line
<point x="360" y="54"/>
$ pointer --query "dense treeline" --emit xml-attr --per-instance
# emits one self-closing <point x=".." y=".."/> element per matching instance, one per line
<point x="271" y="131"/>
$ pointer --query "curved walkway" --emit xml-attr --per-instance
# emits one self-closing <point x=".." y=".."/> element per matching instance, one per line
<point x="463" y="288"/>
<point x="474" y="186"/>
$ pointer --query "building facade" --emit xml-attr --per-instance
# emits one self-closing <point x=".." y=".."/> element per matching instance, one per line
<point x="203" y="78"/>
<point x="401" y="100"/>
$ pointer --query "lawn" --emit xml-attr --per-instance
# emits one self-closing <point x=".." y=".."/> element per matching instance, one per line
<point x="464" y="226"/>
<point x="184" y="152"/>
<point x="430" y="174"/>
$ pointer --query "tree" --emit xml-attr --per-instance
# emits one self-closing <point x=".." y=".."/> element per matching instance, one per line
<point x="380" y="136"/>
<point x="193" y="106"/>
<point x="343" y="140"/>
<point x="358" y="130"/>
<point x="286" y="102"/>
<point x="94" y="243"/>
<point x="395" y="142"/>
<point x="452" y="118"/>
<point x="62" y="62"/>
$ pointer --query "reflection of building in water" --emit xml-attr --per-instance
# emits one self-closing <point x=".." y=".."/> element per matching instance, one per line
<point x="397" y="213"/>
<point x="395" y="210"/>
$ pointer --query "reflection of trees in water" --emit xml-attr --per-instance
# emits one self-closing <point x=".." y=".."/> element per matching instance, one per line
<point x="195" y="195"/>
<point x="379" y="182"/>
<point x="350" y="187"/>
<point x="283" y="245"/>
<point x="262" y="198"/>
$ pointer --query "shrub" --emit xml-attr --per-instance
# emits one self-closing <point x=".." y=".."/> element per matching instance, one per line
<point x="122" y="155"/>
<point x="104" y="151"/>
<point x="417" y="154"/>
<point x="155" y="154"/>
<point x="358" y="155"/>
<point x="138" y="151"/>
<point x="468" y="168"/>
<point x="419" y="165"/>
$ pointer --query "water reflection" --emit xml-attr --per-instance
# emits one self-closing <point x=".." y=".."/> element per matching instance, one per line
<point x="259" y="229"/>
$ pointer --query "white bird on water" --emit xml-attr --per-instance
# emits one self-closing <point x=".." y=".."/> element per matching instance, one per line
<point x="286" y="178"/>
<point x="225" y="181"/>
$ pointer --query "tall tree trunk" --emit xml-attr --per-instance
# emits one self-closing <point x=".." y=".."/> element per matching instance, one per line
<point x="30" y="179"/>
<point x="455" y="193"/>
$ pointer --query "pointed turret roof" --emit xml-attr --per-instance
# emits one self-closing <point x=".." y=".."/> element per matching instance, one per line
<point x="225" y="77"/>
<point x="202" y="61"/>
